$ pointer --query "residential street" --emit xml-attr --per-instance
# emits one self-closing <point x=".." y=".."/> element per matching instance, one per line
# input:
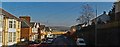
<point x="60" y="24"/>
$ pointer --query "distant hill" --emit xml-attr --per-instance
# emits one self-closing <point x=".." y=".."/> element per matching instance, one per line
<point x="59" y="28"/>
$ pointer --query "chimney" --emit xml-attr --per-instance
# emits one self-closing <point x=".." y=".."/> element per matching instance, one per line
<point x="26" y="18"/>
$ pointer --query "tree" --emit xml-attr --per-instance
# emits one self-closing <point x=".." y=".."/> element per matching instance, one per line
<point x="87" y="13"/>
<point x="81" y="19"/>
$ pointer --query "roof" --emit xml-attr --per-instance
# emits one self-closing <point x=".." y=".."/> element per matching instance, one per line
<point x="8" y="15"/>
<point x="101" y="16"/>
<point x="47" y="29"/>
<point x="24" y="24"/>
<point x="34" y="24"/>
<point x="24" y="16"/>
<point x="42" y="27"/>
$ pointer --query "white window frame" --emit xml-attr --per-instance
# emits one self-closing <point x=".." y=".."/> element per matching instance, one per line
<point x="10" y="24"/>
<point x="13" y="22"/>
<point x="12" y="36"/>
<point x="9" y="36"/>
<point x="34" y="37"/>
<point x="35" y="30"/>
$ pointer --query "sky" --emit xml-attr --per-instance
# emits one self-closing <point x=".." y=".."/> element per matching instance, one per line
<point x="53" y="13"/>
<point x="58" y="0"/>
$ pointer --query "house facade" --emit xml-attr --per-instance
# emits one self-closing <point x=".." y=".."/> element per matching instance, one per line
<point x="31" y="30"/>
<point x="9" y="28"/>
<point x="42" y="32"/>
<point x="35" y="30"/>
<point x="1" y="27"/>
<point x="25" y="28"/>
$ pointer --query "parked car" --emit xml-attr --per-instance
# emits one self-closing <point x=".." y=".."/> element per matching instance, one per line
<point x="81" y="42"/>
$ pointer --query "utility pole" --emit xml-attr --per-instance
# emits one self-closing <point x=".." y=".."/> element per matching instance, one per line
<point x="96" y="28"/>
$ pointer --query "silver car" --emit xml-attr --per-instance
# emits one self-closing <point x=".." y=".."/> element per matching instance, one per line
<point x="80" y="41"/>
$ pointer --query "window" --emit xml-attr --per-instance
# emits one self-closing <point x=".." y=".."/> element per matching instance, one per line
<point x="81" y="41"/>
<point x="19" y="25"/>
<point x="11" y="36"/>
<point x="0" y="37"/>
<point x="14" y="36"/>
<point x="36" y="36"/>
<point x="34" y="30"/>
<point x="10" y="24"/>
<point x="14" y="24"/>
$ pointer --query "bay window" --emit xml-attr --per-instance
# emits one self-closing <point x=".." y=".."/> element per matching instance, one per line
<point x="11" y="36"/>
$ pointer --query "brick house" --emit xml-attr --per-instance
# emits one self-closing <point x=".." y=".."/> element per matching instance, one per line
<point x="25" y="27"/>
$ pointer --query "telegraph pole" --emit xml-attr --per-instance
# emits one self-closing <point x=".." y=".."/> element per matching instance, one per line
<point x="96" y="28"/>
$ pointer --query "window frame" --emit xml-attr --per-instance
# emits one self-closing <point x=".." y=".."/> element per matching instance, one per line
<point x="13" y="23"/>
<point x="11" y="36"/>
<point x="10" y="24"/>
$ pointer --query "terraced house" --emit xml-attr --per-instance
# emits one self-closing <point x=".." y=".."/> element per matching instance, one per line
<point x="35" y="30"/>
<point x="30" y="30"/>
<point x="9" y="28"/>
<point x="26" y="29"/>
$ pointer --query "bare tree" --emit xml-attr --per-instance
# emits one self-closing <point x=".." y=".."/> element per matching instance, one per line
<point x="81" y="19"/>
<point x="87" y="13"/>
